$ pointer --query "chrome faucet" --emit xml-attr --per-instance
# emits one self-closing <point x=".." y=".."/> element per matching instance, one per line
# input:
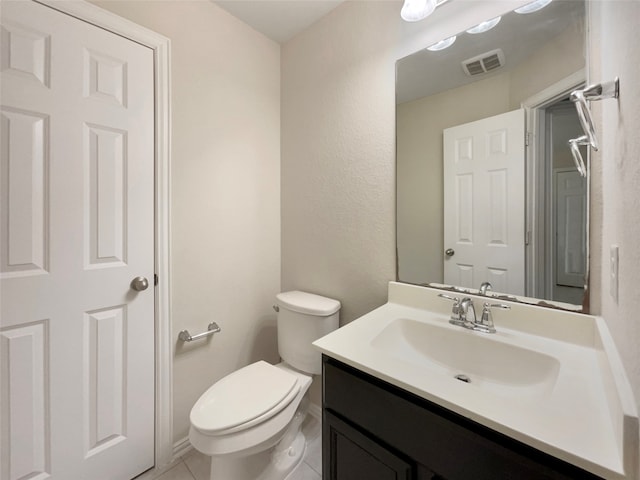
<point x="467" y="312"/>
<point x="463" y="314"/>
<point x="484" y="288"/>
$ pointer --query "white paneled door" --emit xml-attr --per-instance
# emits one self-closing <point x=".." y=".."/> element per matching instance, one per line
<point x="484" y="193"/>
<point x="571" y="222"/>
<point x="77" y="226"/>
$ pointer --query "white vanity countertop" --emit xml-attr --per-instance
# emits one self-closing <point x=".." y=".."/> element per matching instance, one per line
<point x="585" y="416"/>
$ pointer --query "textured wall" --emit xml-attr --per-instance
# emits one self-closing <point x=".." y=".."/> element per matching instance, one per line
<point x="337" y="159"/>
<point x="225" y="174"/>
<point x="616" y="206"/>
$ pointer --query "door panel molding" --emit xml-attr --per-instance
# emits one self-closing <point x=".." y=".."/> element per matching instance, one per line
<point x="25" y="401"/>
<point x="161" y="47"/>
<point x="25" y="206"/>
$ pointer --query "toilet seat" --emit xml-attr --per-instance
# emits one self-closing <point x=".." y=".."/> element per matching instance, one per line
<point x="244" y="398"/>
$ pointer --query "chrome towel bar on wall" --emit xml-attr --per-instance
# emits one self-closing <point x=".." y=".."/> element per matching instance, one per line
<point x="599" y="91"/>
<point x="185" y="336"/>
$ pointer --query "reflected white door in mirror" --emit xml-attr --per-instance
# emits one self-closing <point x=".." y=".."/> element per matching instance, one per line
<point x="484" y="203"/>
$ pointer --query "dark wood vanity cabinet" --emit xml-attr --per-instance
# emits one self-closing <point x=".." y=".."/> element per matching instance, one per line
<point x="373" y="430"/>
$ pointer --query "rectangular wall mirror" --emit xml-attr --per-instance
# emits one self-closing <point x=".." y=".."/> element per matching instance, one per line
<point x="487" y="189"/>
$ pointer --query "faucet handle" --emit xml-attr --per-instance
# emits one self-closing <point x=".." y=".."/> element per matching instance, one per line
<point x="455" y="309"/>
<point x="501" y="306"/>
<point x="486" y="321"/>
<point x="449" y="297"/>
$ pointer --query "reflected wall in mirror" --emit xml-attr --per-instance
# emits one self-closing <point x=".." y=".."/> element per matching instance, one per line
<point x="486" y="186"/>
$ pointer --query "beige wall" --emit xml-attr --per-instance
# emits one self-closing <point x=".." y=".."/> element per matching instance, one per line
<point x="616" y="192"/>
<point x="225" y="175"/>
<point x="337" y="171"/>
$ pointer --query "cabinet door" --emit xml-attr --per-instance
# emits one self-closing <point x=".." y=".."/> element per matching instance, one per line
<point x="348" y="454"/>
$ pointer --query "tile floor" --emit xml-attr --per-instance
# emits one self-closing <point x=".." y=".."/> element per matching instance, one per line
<point x="195" y="466"/>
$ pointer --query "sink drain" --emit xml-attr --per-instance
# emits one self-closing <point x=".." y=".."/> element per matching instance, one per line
<point x="463" y="378"/>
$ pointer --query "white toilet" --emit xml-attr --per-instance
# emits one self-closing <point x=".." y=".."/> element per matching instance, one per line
<point x="249" y="421"/>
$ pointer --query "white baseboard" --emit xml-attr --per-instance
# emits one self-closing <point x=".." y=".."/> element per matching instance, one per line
<point x="182" y="447"/>
<point x="315" y="411"/>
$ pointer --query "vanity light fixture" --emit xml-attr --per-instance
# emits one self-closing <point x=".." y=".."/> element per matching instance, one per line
<point x="533" y="6"/>
<point x="442" y="44"/>
<point x="484" y="26"/>
<point x="416" y="10"/>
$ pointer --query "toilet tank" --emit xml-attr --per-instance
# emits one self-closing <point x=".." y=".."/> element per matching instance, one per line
<point x="302" y="319"/>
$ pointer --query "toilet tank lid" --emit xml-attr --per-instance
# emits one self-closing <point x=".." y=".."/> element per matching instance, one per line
<point x="309" y="303"/>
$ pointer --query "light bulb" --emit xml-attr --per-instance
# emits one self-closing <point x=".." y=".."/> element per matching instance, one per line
<point x="484" y="26"/>
<point x="533" y="6"/>
<point x="415" y="10"/>
<point x="442" y="44"/>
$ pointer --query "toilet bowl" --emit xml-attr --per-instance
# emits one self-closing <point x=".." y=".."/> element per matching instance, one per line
<point x="250" y="421"/>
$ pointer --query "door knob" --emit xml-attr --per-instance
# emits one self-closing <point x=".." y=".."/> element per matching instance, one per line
<point x="449" y="252"/>
<point x="139" y="284"/>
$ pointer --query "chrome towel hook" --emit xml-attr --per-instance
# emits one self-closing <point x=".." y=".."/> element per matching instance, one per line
<point x="574" y="144"/>
<point x="598" y="91"/>
<point x="584" y="114"/>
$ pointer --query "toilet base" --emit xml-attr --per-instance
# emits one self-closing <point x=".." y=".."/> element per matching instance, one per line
<point x="283" y="462"/>
<point x="274" y="464"/>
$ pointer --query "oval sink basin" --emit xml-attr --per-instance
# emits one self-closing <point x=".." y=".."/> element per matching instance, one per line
<point x="469" y="356"/>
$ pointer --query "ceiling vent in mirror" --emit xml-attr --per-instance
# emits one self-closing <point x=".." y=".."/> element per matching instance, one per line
<point x="483" y="63"/>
